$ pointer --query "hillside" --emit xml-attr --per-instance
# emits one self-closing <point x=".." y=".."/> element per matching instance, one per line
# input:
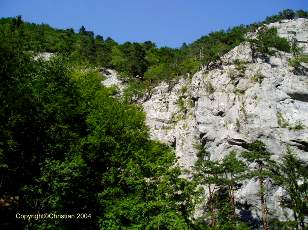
<point x="100" y="135"/>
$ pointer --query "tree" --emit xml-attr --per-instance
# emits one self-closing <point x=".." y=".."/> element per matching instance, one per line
<point x="287" y="14"/>
<point x="268" y="39"/>
<point x="258" y="154"/>
<point x="291" y="174"/>
<point x="302" y="14"/>
<point x="208" y="173"/>
<point x="220" y="178"/>
<point x="38" y="120"/>
<point x="234" y="171"/>
<point x="130" y="59"/>
<point x="82" y="30"/>
<point x="104" y="51"/>
<point x="114" y="172"/>
<point x="16" y="23"/>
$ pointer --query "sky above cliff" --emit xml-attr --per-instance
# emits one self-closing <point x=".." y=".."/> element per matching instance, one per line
<point x="166" y="22"/>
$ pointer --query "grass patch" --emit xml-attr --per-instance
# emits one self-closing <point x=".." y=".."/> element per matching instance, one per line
<point x="239" y="92"/>
<point x="240" y="66"/>
<point x="184" y="89"/>
<point x="181" y="104"/>
<point x="297" y="126"/>
<point x="297" y="60"/>
<point x="209" y="87"/>
<point x="243" y="111"/>
<point x="282" y="122"/>
<point x="258" y="77"/>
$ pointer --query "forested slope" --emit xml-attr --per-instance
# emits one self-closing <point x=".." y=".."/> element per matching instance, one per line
<point x="68" y="146"/>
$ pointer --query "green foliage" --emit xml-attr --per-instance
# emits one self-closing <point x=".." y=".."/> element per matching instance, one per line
<point x="291" y="174"/>
<point x="68" y="146"/>
<point x="297" y="126"/>
<point x="240" y="66"/>
<point x="282" y="122"/>
<point x="287" y="14"/>
<point x="158" y="73"/>
<point x="258" y="77"/>
<point x="258" y="154"/>
<point x="134" y="60"/>
<point x="219" y="179"/>
<point x="130" y="58"/>
<point x="268" y="39"/>
<point x="211" y="47"/>
<point x="189" y="65"/>
<point x="232" y="74"/>
<point x="184" y="89"/>
<point x="181" y="103"/>
<point x="136" y="89"/>
<point x="297" y="60"/>
<point x="209" y="87"/>
<point x="294" y="62"/>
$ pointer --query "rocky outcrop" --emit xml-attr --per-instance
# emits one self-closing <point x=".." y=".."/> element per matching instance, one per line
<point x="294" y="30"/>
<point x="223" y="109"/>
<point x="44" y="56"/>
<point x="245" y="99"/>
<point x="112" y="79"/>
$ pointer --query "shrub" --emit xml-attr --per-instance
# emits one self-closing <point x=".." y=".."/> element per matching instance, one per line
<point x="181" y="104"/>
<point x="240" y="66"/>
<point x="209" y="87"/>
<point x="282" y="122"/>
<point x="243" y="111"/>
<point x="158" y="73"/>
<point x="258" y="77"/>
<point x="184" y="89"/>
<point x="268" y="38"/>
<point x="296" y="61"/>
<point x="297" y="126"/>
<point x="232" y="74"/>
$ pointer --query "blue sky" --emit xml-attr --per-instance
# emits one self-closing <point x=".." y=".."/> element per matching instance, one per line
<point x="166" y="22"/>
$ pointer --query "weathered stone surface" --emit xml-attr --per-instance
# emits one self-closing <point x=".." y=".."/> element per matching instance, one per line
<point x="45" y="56"/>
<point x="113" y="80"/>
<point x="224" y="109"/>
<point x="293" y="30"/>
<point x="237" y="110"/>
<point x="243" y="53"/>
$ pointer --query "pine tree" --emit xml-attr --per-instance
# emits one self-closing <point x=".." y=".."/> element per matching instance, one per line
<point x="208" y="173"/>
<point x="220" y="178"/>
<point x="234" y="170"/>
<point x="258" y="154"/>
<point x="292" y="175"/>
<point x="82" y="30"/>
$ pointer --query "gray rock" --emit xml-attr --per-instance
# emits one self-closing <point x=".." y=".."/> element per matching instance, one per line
<point x="44" y="56"/>
<point x="239" y="109"/>
<point x="112" y="79"/>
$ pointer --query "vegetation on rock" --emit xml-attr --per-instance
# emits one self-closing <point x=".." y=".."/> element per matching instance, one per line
<point x="68" y="146"/>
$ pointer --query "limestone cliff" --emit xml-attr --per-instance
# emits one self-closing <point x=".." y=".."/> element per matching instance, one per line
<point x="244" y="97"/>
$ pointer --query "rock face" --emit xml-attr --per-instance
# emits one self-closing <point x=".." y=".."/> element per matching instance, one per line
<point x="294" y="30"/>
<point x="223" y="109"/>
<point x="245" y="99"/>
<point x="112" y="79"/>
